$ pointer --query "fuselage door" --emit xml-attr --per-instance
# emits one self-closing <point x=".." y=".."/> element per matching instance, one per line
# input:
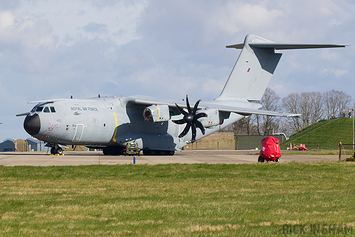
<point x="79" y="130"/>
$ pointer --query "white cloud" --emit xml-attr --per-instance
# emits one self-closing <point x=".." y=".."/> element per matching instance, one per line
<point x="54" y="49"/>
<point x="332" y="71"/>
<point x="26" y="30"/>
<point x="6" y="20"/>
<point x="71" y="20"/>
<point x="235" y="16"/>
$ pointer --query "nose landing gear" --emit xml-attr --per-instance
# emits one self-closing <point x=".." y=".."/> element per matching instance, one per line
<point x="56" y="150"/>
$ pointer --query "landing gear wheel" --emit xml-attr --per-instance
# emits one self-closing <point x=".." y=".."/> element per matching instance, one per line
<point x="261" y="159"/>
<point x="148" y="152"/>
<point x="56" y="150"/>
<point x="59" y="151"/>
<point x="113" y="151"/>
<point x="53" y="150"/>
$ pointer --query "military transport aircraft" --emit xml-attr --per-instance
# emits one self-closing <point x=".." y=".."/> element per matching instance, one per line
<point x="160" y="126"/>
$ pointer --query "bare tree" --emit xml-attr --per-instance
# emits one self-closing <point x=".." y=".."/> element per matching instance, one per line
<point x="290" y="104"/>
<point x="267" y="124"/>
<point x="317" y="99"/>
<point x="336" y="103"/>
<point x="312" y="106"/>
<point x="244" y="126"/>
<point x="308" y="104"/>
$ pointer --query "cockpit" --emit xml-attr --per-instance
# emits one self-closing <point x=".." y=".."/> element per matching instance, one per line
<point x="43" y="109"/>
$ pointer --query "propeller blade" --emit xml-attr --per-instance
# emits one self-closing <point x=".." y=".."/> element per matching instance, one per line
<point x="180" y="121"/>
<point x="191" y="119"/>
<point x="193" y="128"/>
<point x="200" y="115"/>
<point x="195" y="107"/>
<point x="180" y="109"/>
<point x="188" y="104"/>
<point x="200" y="126"/>
<point x="23" y="114"/>
<point x="186" y="130"/>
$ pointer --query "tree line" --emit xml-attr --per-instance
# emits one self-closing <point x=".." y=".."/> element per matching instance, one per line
<point x="313" y="107"/>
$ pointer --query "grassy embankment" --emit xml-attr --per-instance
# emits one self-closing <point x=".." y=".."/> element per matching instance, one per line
<point x="324" y="135"/>
<point x="179" y="200"/>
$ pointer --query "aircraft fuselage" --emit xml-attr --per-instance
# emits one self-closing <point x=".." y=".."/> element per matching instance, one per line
<point x="101" y="122"/>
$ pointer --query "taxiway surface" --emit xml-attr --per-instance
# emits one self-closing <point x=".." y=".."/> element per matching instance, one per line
<point x="181" y="157"/>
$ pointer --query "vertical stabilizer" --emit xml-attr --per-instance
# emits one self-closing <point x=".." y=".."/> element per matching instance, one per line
<point x="254" y="67"/>
<point x="252" y="71"/>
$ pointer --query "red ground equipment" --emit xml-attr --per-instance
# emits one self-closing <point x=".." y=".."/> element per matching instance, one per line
<point x="270" y="150"/>
<point x="302" y="147"/>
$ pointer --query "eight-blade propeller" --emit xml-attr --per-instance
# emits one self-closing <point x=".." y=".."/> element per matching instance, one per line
<point x="190" y="118"/>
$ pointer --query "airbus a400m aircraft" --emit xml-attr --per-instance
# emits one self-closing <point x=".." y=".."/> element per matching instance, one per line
<point x="160" y="126"/>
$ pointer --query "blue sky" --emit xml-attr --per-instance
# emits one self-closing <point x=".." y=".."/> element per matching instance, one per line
<point x="54" y="49"/>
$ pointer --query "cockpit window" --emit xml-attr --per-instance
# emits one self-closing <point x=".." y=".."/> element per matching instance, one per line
<point x="39" y="109"/>
<point x="46" y="109"/>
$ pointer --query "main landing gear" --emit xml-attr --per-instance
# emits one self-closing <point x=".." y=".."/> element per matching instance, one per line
<point x="118" y="150"/>
<point x="113" y="150"/>
<point x="157" y="152"/>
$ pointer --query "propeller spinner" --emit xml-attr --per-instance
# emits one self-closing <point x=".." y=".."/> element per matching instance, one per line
<point x="190" y="118"/>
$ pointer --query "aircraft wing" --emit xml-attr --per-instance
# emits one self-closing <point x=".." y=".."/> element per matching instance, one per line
<point x="155" y="101"/>
<point x="247" y="112"/>
<point x="220" y="107"/>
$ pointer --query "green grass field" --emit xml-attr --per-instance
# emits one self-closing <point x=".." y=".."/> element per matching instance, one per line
<point x="270" y="199"/>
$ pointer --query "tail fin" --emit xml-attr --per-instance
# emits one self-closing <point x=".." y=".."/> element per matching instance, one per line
<point x="254" y="67"/>
<point x="252" y="71"/>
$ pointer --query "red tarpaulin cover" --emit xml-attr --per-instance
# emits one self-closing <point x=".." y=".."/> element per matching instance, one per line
<point x="270" y="148"/>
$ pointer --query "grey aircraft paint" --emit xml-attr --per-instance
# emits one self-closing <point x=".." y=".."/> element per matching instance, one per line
<point x="111" y="122"/>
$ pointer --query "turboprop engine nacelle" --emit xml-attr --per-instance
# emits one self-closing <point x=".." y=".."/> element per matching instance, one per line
<point x="156" y="113"/>
<point x="214" y="117"/>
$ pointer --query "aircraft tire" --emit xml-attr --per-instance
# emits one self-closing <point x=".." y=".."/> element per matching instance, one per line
<point x="148" y="152"/>
<point x="59" y="151"/>
<point x="56" y="150"/>
<point x="106" y="151"/>
<point x="113" y="151"/>
<point x="53" y="150"/>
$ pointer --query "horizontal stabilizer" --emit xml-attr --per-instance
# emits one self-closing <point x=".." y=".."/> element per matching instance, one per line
<point x="287" y="46"/>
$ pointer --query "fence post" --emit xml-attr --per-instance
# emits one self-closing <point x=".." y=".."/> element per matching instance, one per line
<point x="339" y="150"/>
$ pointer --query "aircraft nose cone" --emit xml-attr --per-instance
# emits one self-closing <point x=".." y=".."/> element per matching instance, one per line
<point x="32" y="124"/>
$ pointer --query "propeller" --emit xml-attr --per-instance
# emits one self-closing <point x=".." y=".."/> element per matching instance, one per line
<point x="190" y="118"/>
